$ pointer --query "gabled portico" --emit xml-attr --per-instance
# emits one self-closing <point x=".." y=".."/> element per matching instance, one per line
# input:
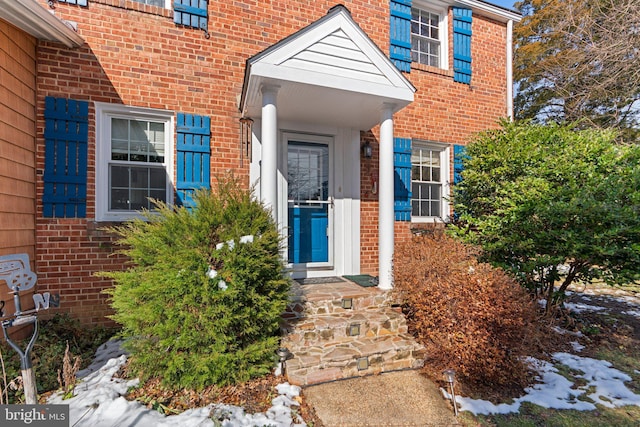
<point x="310" y="95"/>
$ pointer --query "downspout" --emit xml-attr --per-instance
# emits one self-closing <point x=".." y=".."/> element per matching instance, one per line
<point x="510" y="69"/>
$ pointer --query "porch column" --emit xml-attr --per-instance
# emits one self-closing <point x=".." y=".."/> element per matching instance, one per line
<point x="269" y="164"/>
<point x="385" y="200"/>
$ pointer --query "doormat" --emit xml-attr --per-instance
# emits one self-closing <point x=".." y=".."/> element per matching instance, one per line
<point x="364" y="280"/>
<point x="319" y="280"/>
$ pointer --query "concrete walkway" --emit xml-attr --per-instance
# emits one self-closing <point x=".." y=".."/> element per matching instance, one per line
<point x="404" y="398"/>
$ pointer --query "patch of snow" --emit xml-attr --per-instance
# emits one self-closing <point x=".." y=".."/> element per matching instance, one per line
<point x="635" y="313"/>
<point x="576" y="346"/>
<point x="580" y="307"/>
<point x="563" y="331"/>
<point x="604" y="385"/>
<point x="112" y="349"/>
<point x="99" y="402"/>
<point x="246" y="239"/>
<point x="610" y="390"/>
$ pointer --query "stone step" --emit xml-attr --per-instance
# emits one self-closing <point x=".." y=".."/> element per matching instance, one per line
<point x="358" y="357"/>
<point x="336" y="328"/>
<point x="312" y="300"/>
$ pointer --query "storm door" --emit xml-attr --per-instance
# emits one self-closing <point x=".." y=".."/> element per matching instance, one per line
<point x="310" y="204"/>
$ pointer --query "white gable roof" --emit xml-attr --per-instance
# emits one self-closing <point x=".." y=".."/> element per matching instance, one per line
<point x="329" y="72"/>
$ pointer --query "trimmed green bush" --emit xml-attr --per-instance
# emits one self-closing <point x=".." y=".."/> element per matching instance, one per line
<point x="201" y="302"/>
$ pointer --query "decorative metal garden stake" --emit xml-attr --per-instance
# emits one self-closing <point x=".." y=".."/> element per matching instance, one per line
<point x="450" y="377"/>
<point x="17" y="274"/>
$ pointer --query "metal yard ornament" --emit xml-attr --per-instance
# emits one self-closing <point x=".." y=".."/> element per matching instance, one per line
<point x="16" y="273"/>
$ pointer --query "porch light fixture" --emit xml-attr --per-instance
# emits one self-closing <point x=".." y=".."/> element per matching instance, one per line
<point x="450" y="377"/>
<point x="246" y="124"/>
<point x="367" y="150"/>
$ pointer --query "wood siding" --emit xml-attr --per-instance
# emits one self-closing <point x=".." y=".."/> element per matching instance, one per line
<point x="17" y="141"/>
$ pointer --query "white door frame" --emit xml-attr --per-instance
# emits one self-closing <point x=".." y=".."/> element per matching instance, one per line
<point x="301" y="270"/>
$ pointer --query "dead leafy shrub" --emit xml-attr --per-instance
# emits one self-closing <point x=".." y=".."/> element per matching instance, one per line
<point x="67" y="377"/>
<point x="470" y="316"/>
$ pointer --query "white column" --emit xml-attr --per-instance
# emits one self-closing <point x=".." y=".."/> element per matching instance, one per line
<point x="269" y="165"/>
<point x="385" y="200"/>
<point x="510" y="69"/>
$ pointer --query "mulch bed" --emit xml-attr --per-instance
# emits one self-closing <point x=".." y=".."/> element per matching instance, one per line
<point x="254" y="396"/>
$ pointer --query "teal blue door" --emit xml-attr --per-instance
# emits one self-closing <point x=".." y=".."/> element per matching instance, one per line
<point x="308" y="202"/>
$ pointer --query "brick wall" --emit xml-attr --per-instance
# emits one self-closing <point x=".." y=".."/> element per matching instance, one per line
<point x="135" y="55"/>
<point x="443" y="111"/>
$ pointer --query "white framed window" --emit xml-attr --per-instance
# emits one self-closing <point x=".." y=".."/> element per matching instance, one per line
<point x="134" y="160"/>
<point x="429" y="35"/>
<point x="429" y="182"/>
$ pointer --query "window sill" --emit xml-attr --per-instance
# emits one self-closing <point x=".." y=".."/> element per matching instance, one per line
<point x="139" y="7"/>
<point x="431" y="69"/>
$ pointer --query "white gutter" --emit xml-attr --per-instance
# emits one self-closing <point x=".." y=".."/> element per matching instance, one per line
<point x="510" y="70"/>
<point x="490" y="10"/>
<point x="31" y="17"/>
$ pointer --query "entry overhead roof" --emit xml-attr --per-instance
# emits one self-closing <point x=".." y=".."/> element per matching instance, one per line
<point x="330" y="72"/>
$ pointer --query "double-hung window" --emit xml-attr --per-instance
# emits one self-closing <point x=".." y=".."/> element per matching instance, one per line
<point x="134" y="160"/>
<point x="429" y="37"/>
<point x="429" y="177"/>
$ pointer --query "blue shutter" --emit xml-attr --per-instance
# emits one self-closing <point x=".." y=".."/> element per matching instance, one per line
<point x="194" y="155"/>
<point x="458" y="154"/>
<point x="400" y="34"/>
<point x="66" y="133"/>
<point x="192" y="13"/>
<point x="402" y="178"/>
<point x="462" y="19"/>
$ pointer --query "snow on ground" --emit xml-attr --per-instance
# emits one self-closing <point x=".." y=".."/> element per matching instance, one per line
<point x="99" y="402"/>
<point x="601" y="383"/>
<point x="580" y="307"/>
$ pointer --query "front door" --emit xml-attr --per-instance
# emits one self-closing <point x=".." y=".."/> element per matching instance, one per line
<point x="309" y="202"/>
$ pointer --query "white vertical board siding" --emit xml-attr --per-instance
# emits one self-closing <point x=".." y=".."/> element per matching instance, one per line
<point x="337" y="54"/>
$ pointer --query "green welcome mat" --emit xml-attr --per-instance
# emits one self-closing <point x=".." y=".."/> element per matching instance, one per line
<point x="364" y="280"/>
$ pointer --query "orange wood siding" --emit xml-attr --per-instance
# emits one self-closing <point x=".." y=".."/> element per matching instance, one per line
<point x="17" y="141"/>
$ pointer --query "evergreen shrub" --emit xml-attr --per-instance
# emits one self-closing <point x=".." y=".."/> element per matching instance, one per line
<point x="470" y="316"/>
<point x="201" y="301"/>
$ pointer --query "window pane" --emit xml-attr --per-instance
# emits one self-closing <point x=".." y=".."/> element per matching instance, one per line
<point x="120" y="176"/>
<point x="119" y="199"/>
<point x="426" y="182"/>
<point x="425" y="37"/>
<point x="424" y="209"/>
<point x="435" y="208"/>
<point x="157" y="178"/>
<point x="138" y="199"/>
<point x="415" y="173"/>
<point x="156" y="139"/>
<point x="119" y="139"/>
<point x="132" y="186"/>
<point x="137" y="140"/>
<point x="415" y="208"/>
<point x="435" y="174"/>
<point x="435" y="191"/>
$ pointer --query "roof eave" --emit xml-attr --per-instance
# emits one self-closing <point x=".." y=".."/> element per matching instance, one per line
<point x="31" y="17"/>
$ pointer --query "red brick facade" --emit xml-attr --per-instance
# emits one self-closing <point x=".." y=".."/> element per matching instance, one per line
<point x="135" y="55"/>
